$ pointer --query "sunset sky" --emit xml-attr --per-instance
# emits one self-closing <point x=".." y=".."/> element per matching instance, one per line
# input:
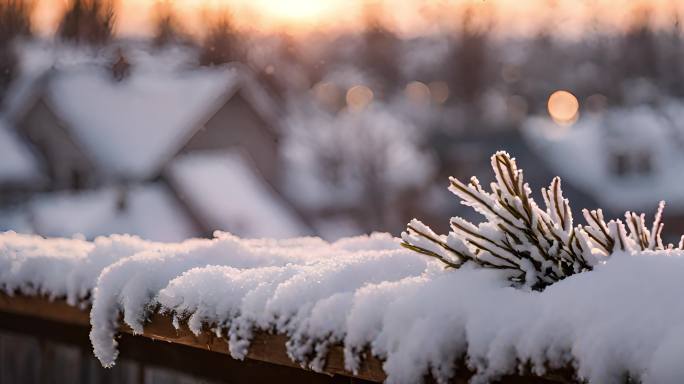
<point x="407" y="16"/>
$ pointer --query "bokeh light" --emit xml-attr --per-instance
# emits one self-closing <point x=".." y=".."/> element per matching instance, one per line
<point x="439" y="91"/>
<point x="417" y="92"/>
<point x="328" y="94"/>
<point x="563" y="107"/>
<point x="358" y="97"/>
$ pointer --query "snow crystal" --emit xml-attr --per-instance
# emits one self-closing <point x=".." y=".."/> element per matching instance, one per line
<point x="367" y="294"/>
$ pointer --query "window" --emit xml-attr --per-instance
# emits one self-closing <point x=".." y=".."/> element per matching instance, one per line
<point x="77" y="181"/>
<point x="624" y="164"/>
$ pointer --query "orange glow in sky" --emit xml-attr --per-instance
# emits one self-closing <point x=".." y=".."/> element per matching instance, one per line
<point x="406" y="16"/>
<point x="298" y="11"/>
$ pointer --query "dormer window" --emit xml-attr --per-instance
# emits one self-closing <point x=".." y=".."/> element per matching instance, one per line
<point x="644" y="163"/>
<point x="77" y="181"/>
<point x="620" y="164"/>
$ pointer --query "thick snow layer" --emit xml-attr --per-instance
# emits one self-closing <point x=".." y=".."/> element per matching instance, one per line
<point x="66" y="268"/>
<point x="147" y="210"/>
<point x="223" y="189"/>
<point x="17" y="163"/>
<point x="132" y="126"/>
<point x="624" y="318"/>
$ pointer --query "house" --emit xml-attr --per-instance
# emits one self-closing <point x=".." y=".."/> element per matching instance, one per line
<point x="626" y="158"/>
<point x="20" y="172"/>
<point x="252" y="118"/>
<point x="101" y="140"/>
<point x="468" y="153"/>
<point x="92" y="129"/>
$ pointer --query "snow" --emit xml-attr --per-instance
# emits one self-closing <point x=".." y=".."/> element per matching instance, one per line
<point x="149" y="211"/>
<point x="223" y="189"/>
<point x="39" y="59"/>
<point x="133" y="126"/>
<point x="68" y="268"/>
<point x="17" y="163"/>
<point x="582" y="154"/>
<point x="624" y="318"/>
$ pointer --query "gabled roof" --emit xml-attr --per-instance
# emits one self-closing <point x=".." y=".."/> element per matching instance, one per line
<point x="131" y="128"/>
<point x="227" y="193"/>
<point x="247" y="86"/>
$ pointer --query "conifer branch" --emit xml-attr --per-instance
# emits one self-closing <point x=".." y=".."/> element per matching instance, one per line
<point x="535" y="246"/>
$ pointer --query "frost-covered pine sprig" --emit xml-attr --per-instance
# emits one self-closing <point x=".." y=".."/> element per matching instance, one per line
<point x="535" y="246"/>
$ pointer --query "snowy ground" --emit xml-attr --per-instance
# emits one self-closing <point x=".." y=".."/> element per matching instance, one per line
<point x="624" y="318"/>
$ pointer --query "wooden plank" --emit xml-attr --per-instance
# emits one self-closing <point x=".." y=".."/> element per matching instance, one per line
<point x="146" y="353"/>
<point x="55" y="310"/>
<point x="265" y="347"/>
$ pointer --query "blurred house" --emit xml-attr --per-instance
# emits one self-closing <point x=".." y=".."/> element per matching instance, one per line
<point x="20" y="172"/>
<point x="119" y="137"/>
<point x="626" y="159"/>
<point x="468" y="154"/>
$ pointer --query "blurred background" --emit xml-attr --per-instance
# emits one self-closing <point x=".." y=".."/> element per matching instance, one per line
<point x="171" y="119"/>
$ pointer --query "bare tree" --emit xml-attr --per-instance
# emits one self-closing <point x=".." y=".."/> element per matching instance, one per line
<point x="639" y="47"/>
<point x="470" y="56"/>
<point x="15" y="20"/>
<point x="382" y="49"/>
<point x="88" y="21"/>
<point x="221" y="44"/>
<point x="167" y="26"/>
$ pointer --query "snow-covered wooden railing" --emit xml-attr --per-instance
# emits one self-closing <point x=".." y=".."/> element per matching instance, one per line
<point x="526" y="291"/>
<point x="266" y="347"/>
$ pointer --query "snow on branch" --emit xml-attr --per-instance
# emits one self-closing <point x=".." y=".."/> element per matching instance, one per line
<point x="536" y="246"/>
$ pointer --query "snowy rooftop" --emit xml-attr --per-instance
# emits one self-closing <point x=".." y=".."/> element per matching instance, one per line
<point x="133" y="126"/>
<point x="650" y="141"/>
<point x="39" y="57"/>
<point x="149" y="211"/>
<point x="225" y="190"/>
<point x="368" y="294"/>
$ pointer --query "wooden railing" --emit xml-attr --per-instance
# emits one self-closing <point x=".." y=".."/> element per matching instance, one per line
<point x="266" y="352"/>
<point x="265" y="347"/>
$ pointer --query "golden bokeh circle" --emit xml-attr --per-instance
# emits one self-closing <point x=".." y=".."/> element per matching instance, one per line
<point x="563" y="107"/>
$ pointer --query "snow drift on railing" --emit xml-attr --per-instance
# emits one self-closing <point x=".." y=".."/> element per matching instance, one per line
<point x="624" y="318"/>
